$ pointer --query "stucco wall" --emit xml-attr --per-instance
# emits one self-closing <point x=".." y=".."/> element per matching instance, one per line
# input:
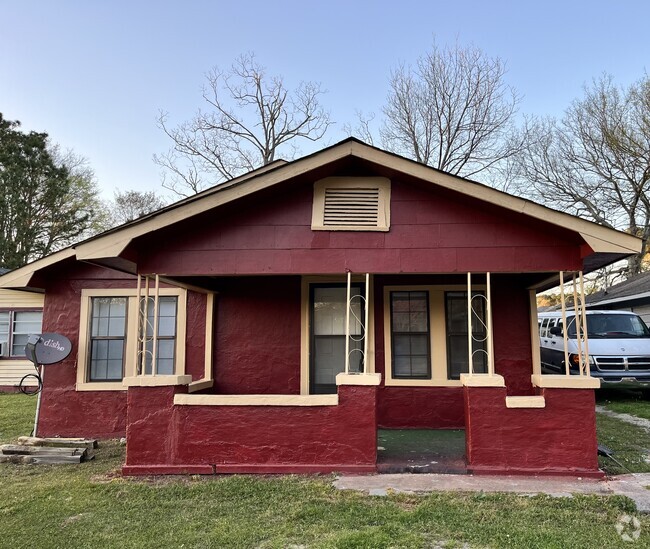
<point x="557" y="439"/>
<point x="167" y="438"/>
<point x="257" y="336"/>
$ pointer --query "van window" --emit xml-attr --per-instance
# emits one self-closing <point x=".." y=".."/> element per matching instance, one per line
<point x="613" y="326"/>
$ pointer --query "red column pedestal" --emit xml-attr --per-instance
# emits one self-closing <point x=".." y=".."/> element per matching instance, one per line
<point x="559" y="439"/>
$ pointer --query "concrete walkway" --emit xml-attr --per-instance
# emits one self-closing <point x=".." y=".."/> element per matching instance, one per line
<point x="627" y="418"/>
<point x="632" y="486"/>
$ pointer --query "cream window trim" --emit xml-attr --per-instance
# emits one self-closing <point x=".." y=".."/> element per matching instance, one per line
<point x="305" y="319"/>
<point x="380" y="184"/>
<point x="131" y="336"/>
<point x="437" y="334"/>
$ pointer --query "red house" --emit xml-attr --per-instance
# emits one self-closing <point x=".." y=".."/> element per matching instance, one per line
<point x="274" y="322"/>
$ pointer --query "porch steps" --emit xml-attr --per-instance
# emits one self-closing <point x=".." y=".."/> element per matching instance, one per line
<point x="529" y="401"/>
<point x="48" y="451"/>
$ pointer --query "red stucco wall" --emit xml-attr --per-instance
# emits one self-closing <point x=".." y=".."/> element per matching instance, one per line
<point x="167" y="438"/>
<point x="67" y="412"/>
<point x="257" y="343"/>
<point x="557" y="439"/>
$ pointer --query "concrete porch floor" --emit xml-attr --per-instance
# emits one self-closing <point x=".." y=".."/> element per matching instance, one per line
<point x="421" y="451"/>
<point x="635" y="486"/>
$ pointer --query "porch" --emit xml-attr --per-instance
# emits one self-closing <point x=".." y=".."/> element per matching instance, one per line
<point x="514" y="419"/>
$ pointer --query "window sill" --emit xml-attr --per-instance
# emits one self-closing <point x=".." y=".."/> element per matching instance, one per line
<point x="101" y="386"/>
<point x="156" y="381"/>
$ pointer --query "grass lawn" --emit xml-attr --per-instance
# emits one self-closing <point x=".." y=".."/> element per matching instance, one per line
<point x="16" y="416"/>
<point x="91" y="505"/>
<point x="624" y="401"/>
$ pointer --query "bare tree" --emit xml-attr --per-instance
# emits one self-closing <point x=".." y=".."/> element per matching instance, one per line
<point x="453" y="111"/>
<point x="250" y="117"/>
<point x="595" y="161"/>
<point x="129" y="205"/>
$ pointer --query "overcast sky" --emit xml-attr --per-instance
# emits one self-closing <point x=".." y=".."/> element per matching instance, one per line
<point x="95" y="74"/>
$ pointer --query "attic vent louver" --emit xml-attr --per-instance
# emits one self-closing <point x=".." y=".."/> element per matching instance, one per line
<point x="353" y="207"/>
<point x="351" y="204"/>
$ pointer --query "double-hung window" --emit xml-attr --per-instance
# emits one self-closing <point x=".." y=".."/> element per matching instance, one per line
<point x="107" y="338"/>
<point x="15" y="328"/>
<point x="113" y="343"/>
<point x="426" y="334"/>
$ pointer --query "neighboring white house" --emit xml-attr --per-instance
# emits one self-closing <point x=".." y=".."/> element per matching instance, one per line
<point x="631" y="295"/>
<point x="21" y="314"/>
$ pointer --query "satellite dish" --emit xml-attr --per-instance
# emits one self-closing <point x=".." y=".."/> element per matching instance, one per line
<point x="48" y="348"/>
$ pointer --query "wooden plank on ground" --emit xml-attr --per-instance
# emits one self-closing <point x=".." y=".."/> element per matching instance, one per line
<point x="41" y="450"/>
<point x="15" y="458"/>
<point x="54" y="459"/>
<point x="58" y="442"/>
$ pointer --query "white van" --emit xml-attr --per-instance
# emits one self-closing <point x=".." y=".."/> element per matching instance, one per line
<point x="619" y="346"/>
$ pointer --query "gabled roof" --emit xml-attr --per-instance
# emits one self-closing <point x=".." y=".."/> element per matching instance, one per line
<point x="112" y="243"/>
<point x="636" y="287"/>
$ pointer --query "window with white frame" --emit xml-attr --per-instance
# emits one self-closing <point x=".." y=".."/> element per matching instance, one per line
<point x="165" y="339"/>
<point x="426" y="334"/>
<point x="15" y="328"/>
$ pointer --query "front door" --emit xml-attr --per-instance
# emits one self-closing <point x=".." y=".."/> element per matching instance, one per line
<point x="327" y="334"/>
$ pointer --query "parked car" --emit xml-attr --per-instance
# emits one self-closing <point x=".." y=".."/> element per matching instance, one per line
<point x="619" y="346"/>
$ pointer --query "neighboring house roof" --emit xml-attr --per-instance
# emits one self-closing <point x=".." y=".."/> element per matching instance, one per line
<point x="636" y="287"/>
<point x="607" y="244"/>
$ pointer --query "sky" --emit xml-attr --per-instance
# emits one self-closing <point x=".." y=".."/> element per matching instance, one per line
<point x="94" y="74"/>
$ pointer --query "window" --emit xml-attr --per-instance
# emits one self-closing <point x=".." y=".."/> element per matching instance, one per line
<point x="107" y="338"/>
<point x="457" y="341"/>
<point x="425" y="334"/>
<point x="351" y="204"/>
<point x="15" y="328"/>
<point x="327" y="349"/>
<point x="165" y="336"/>
<point x="110" y="336"/>
<point x="411" y="357"/>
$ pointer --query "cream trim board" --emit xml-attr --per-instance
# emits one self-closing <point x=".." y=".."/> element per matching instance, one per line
<point x="437" y="334"/>
<point x="156" y="381"/>
<point x="358" y="379"/>
<point x="305" y="318"/>
<point x="382" y="184"/>
<point x="525" y="402"/>
<point x="534" y="333"/>
<point x="555" y="381"/>
<point x="482" y="380"/>
<point x="131" y="342"/>
<point x="256" y="400"/>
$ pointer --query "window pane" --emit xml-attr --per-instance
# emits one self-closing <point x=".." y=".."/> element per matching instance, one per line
<point x="457" y="340"/>
<point x="4" y="327"/>
<point x="107" y="332"/>
<point x="410" y="334"/>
